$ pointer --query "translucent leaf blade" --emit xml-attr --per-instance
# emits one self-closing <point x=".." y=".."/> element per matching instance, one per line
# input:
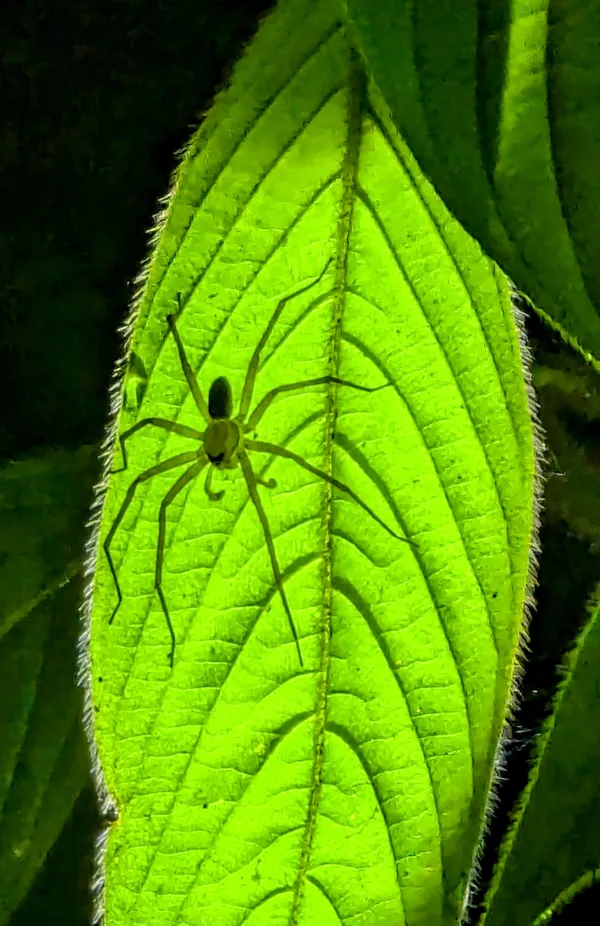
<point x="353" y="788"/>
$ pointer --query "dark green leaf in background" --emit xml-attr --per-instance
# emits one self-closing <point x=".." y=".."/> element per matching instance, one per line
<point x="44" y="502"/>
<point x="499" y="103"/>
<point x="552" y="843"/>
<point x="43" y="757"/>
<point x="43" y="760"/>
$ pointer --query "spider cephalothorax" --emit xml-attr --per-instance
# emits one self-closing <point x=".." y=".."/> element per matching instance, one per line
<point x="222" y="441"/>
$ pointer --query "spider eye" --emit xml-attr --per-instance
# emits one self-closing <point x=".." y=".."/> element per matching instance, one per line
<point x="218" y="459"/>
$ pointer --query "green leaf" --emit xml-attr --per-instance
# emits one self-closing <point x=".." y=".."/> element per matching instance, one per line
<point x="575" y="894"/>
<point x="44" y="503"/>
<point x="249" y="788"/>
<point x="500" y="105"/>
<point x="554" y="837"/>
<point x="43" y="759"/>
<point x="43" y="762"/>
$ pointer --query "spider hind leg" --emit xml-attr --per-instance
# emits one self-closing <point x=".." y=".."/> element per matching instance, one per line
<point x="251" y="481"/>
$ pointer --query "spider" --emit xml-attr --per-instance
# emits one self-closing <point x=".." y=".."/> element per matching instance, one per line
<point x="224" y="445"/>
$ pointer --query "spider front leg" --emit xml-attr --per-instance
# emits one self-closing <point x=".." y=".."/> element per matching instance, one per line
<point x="253" y="366"/>
<point x="186" y="367"/>
<point x="264" y="403"/>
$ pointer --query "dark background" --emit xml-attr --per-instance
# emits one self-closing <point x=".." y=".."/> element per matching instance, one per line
<point x="96" y="99"/>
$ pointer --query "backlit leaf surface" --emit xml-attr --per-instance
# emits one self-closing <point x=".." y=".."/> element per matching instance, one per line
<point x="251" y="790"/>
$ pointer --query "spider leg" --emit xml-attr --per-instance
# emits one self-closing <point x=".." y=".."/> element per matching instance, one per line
<point x="175" y="489"/>
<point x="158" y="423"/>
<point x="267" y="483"/>
<point x="213" y="496"/>
<point x="187" y="370"/>
<point x="264" y="447"/>
<point x="253" y="491"/>
<point x="253" y="366"/>
<point x="289" y="387"/>
<point x="163" y="467"/>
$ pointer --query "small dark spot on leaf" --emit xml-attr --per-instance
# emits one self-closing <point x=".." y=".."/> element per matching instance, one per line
<point x="112" y="815"/>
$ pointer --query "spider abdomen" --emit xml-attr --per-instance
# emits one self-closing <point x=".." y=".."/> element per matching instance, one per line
<point x="220" y="401"/>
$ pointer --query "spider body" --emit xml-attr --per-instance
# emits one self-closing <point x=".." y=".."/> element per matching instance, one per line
<point x="222" y="440"/>
<point x="224" y="445"/>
